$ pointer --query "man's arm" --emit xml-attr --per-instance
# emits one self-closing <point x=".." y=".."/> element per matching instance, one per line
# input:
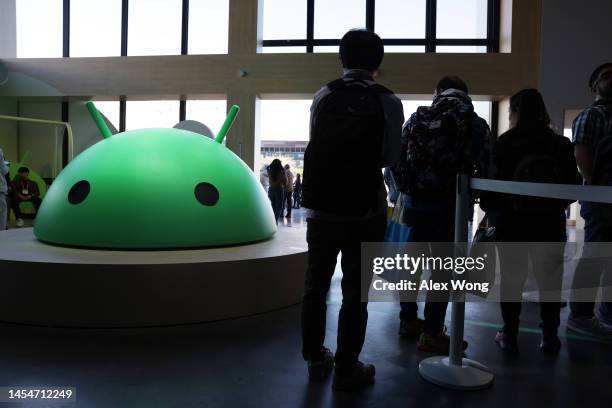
<point x="3" y="167"/>
<point x="394" y="118"/>
<point x="584" y="159"/>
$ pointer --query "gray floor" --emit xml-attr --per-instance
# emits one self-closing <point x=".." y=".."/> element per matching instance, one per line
<point x="255" y="362"/>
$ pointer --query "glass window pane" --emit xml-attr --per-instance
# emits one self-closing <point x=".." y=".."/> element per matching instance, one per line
<point x="462" y="19"/>
<point x="461" y="48"/>
<point x="208" y="26"/>
<point x="333" y="19"/>
<point x="404" y="48"/>
<point x="283" y="50"/>
<point x="284" y="131"/>
<point x="400" y="18"/>
<point x="483" y="109"/>
<point x="39" y="28"/>
<point x="284" y="119"/>
<point x="110" y="109"/>
<point x="326" y="48"/>
<point x="151" y="114"/>
<point x="212" y="113"/>
<point x="154" y="27"/>
<point x="95" y="28"/>
<point x="284" y="19"/>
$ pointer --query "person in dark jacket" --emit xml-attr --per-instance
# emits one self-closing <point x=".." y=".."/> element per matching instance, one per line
<point x="536" y="220"/>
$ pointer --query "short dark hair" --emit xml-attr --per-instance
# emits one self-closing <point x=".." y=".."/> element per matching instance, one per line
<point x="361" y="49"/>
<point x="451" y="82"/>
<point x="23" y="170"/>
<point x="596" y="73"/>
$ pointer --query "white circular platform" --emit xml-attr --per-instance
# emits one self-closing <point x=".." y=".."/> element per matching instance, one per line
<point x="49" y="285"/>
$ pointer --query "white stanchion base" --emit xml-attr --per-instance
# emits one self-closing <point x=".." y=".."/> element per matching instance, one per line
<point x="471" y="375"/>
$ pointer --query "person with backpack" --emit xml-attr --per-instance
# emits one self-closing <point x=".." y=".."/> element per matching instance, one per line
<point x="276" y="191"/>
<point x="592" y="136"/>
<point x="355" y="128"/>
<point x="530" y="152"/>
<point x="438" y="142"/>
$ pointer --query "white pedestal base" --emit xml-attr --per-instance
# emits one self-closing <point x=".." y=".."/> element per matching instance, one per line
<point x="468" y="376"/>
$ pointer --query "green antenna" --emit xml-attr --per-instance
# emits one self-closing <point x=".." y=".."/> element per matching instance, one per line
<point x="229" y="121"/>
<point x="98" y="119"/>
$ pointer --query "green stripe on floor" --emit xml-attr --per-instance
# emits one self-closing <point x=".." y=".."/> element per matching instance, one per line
<point x="496" y="326"/>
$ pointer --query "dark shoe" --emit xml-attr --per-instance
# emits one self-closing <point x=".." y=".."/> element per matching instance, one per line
<point x="589" y="326"/>
<point x="550" y="345"/>
<point x="439" y="344"/>
<point x="506" y="342"/>
<point x="318" y="370"/>
<point x="411" y="329"/>
<point x="361" y="377"/>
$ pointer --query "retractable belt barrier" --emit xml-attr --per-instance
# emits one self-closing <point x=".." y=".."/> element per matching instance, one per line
<point x="455" y="371"/>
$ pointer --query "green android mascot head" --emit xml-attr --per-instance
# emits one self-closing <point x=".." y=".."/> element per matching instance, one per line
<point x="155" y="189"/>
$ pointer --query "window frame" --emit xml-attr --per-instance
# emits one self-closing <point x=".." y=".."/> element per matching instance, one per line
<point x="430" y="41"/>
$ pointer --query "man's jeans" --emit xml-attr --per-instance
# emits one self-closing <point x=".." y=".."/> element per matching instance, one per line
<point x="325" y="240"/>
<point x="589" y="271"/>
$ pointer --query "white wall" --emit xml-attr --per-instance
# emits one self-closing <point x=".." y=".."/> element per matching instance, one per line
<point x="576" y="38"/>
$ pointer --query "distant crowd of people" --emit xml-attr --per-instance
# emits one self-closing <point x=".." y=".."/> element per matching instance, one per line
<point x="284" y="192"/>
<point x="357" y="127"/>
<point x="14" y="192"/>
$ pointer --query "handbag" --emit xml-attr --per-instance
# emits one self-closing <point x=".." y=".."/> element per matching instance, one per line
<point x="397" y="231"/>
<point x="483" y="244"/>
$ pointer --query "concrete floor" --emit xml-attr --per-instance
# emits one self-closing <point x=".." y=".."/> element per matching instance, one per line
<point x="256" y="362"/>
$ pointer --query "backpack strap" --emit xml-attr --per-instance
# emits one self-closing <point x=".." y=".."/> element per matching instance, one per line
<point x="341" y="83"/>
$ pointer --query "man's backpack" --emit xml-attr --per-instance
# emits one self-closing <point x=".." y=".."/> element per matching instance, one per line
<point x="602" y="174"/>
<point x="439" y="146"/>
<point x="344" y="156"/>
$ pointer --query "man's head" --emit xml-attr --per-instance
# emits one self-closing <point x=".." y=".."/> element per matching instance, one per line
<point x="23" y="172"/>
<point x="286" y="167"/>
<point x="600" y="81"/>
<point x="451" y="82"/>
<point x="361" y="49"/>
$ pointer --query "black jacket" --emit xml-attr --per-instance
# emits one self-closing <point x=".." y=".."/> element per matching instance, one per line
<point x="510" y="148"/>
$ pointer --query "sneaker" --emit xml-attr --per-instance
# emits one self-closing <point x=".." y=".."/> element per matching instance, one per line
<point x="550" y="344"/>
<point x="439" y="344"/>
<point x="411" y="329"/>
<point x="318" y="370"/>
<point x="588" y="326"/>
<point x="361" y="377"/>
<point x="19" y="222"/>
<point x="506" y="342"/>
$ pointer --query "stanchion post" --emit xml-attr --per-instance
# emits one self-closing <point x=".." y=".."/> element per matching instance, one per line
<point x="455" y="371"/>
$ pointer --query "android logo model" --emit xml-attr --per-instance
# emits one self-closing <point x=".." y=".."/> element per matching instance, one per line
<point x="155" y="189"/>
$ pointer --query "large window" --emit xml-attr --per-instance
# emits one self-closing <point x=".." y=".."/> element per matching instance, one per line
<point x="39" y="28"/>
<point x="404" y="25"/>
<point x="151" y="114"/>
<point x="95" y="28"/>
<point x="154" y="27"/>
<point x="208" y="26"/>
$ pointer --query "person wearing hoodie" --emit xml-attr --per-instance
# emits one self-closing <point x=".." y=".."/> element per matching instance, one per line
<point x="438" y="142"/>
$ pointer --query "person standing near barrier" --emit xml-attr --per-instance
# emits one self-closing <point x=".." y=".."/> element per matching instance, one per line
<point x="276" y="190"/>
<point x="592" y="134"/>
<point x="355" y="128"/>
<point x="427" y="174"/>
<point x="288" y="191"/>
<point x="4" y="169"/>
<point x="530" y="152"/>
